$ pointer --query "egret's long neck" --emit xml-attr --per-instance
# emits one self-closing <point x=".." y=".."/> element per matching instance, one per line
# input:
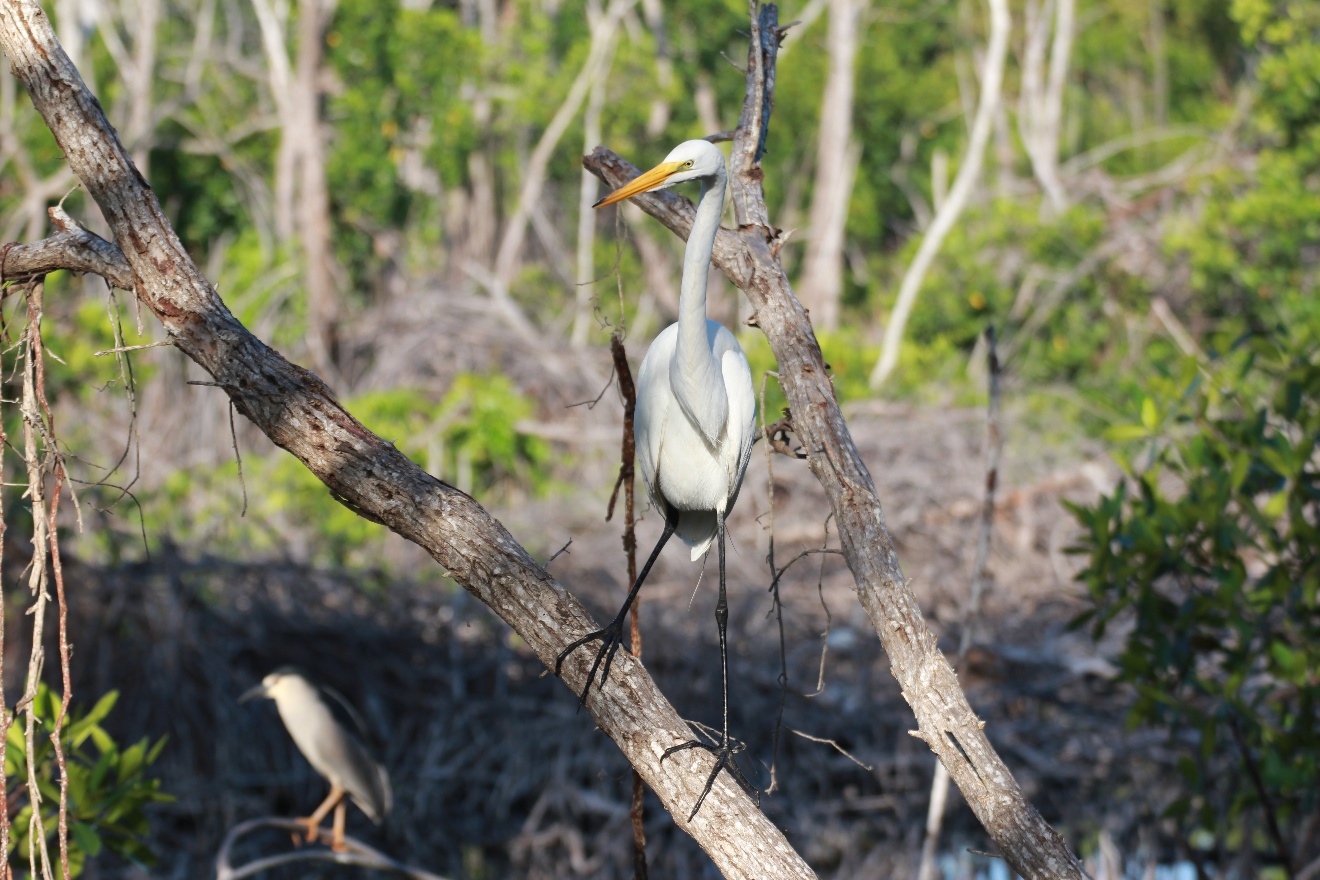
<point x="694" y="374"/>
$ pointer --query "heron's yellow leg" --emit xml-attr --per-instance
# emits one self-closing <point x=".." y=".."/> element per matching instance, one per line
<point x="337" y="841"/>
<point x="313" y="822"/>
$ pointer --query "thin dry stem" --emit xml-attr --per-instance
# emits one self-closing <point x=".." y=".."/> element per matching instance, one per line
<point x="6" y="718"/>
<point x="37" y="573"/>
<point x="57" y="569"/>
<point x="356" y="853"/>
<point x="774" y="591"/>
<point x="628" y="451"/>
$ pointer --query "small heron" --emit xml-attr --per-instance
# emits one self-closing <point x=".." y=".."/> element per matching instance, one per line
<point x="330" y="748"/>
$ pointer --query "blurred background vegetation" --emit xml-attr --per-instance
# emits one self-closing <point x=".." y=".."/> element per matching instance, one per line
<point x="391" y="194"/>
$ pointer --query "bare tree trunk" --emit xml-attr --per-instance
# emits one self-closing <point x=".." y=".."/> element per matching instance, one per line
<point x="1004" y="154"/>
<point x="74" y="29"/>
<point x="1040" y="106"/>
<point x="836" y="165"/>
<point x="586" y="268"/>
<point x="279" y="72"/>
<point x="599" y="56"/>
<point x="653" y="12"/>
<point x="145" y="18"/>
<point x="314" y="194"/>
<point x="948" y="213"/>
<point x="302" y="199"/>
<point x="708" y="110"/>
<point x="482" y="214"/>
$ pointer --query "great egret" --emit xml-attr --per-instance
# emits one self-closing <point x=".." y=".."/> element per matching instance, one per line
<point x="330" y="748"/>
<point x="694" y="423"/>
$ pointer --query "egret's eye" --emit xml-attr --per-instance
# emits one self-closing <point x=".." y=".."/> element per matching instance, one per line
<point x="689" y="163"/>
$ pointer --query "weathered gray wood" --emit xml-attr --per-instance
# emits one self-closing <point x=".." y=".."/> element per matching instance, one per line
<point x="300" y="414"/>
<point x="749" y="257"/>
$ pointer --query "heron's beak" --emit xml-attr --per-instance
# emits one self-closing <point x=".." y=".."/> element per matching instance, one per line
<point x="254" y="693"/>
<point x="652" y="179"/>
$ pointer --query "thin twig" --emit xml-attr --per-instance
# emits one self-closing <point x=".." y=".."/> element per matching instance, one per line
<point x="838" y="748"/>
<point x="560" y="552"/>
<point x="6" y="718"/>
<point x="1267" y="806"/>
<point x="357" y="854"/>
<point x="829" y="618"/>
<point x="776" y="604"/>
<point x="57" y="569"/>
<point x="32" y="426"/>
<point x="123" y="348"/>
<point x="238" y="457"/>
<point x="628" y="452"/>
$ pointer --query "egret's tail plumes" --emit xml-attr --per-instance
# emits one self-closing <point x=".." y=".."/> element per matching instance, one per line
<point x="696" y="528"/>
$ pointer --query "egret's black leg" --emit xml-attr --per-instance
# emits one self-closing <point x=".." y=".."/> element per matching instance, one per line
<point x="612" y="635"/>
<point x="726" y="748"/>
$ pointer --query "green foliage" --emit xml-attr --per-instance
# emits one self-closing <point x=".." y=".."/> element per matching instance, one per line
<point x="1211" y="550"/>
<point x="73" y="341"/>
<point x="477" y="427"/>
<point x="472" y="437"/>
<point x="109" y="786"/>
<point x="1001" y="250"/>
<point x="405" y="74"/>
<point x="1249" y="247"/>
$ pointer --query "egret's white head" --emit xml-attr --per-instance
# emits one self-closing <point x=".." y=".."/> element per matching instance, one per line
<point x="690" y="160"/>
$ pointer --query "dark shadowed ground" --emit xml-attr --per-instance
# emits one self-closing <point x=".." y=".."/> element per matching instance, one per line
<point x="496" y="775"/>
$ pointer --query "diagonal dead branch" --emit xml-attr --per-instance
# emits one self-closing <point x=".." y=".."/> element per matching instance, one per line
<point x="300" y="414"/>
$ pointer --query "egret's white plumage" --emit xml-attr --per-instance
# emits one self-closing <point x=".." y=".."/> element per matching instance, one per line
<point x="683" y="467"/>
<point x="695" y="419"/>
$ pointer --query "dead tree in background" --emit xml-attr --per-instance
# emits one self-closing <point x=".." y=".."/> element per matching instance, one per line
<point x="370" y="476"/>
<point x="951" y="208"/>
<point x="1040" y="105"/>
<point x="837" y="155"/>
<point x="302" y="195"/>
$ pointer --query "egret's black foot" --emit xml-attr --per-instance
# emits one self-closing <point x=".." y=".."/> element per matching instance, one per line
<point x="611" y="637"/>
<point x="723" y="752"/>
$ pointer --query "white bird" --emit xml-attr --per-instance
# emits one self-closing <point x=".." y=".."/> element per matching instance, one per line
<point x="694" y="423"/>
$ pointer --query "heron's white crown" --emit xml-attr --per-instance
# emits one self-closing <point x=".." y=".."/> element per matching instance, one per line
<point x="697" y="159"/>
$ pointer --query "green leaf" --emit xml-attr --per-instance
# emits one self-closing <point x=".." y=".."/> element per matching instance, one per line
<point x="1150" y="417"/>
<point x="86" y="838"/>
<point x="1125" y="433"/>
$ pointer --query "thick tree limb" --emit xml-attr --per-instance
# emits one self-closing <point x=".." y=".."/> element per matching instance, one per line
<point x="748" y="257"/>
<point x="300" y="414"/>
